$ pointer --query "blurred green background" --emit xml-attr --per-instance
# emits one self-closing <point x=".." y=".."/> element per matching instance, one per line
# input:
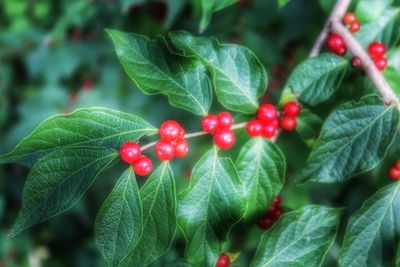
<point x="55" y="57"/>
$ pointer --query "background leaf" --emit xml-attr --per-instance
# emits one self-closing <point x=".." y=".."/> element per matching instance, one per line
<point x="369" y="10"/>
<point x="308" y="124"/>
<point x="354" y="139"/>
<point x="119" y="222"/>
<point x="299" y="238"/>
<point x="210" y="6"/>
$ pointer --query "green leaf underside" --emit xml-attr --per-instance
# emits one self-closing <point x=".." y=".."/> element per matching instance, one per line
<point x="354" y="139"/>
<point x="317" y="78"/>
<point x="209" y="207"/>
<point x="159" y="218"/>
<point x="119" y="222"/>
<point x="85" y="127"/>
<point x="372" y="232"/>
<point x="57" y="181"/>
<point x="238" y="76"/>
<point x="299" y="238"/>
<point x="261" y="167"/>
<point x="155" y="70"/>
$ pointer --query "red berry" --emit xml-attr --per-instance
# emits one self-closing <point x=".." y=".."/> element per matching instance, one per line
<point x="277" y="214"/>
<point x="336" y="44"/>
<point x="142" y="166"/>
<point x="267" y="112"/>
<point x="181" y="148"/>
<point x="398" y="164"/>
<point x="376" y="50"/>
<point x="129" y="152"/>
<point x="349" y="18"/>
<point x="380" y="63"/>
<point x="181" y="134"/>
<point x="288" y="123"/>
<point x="170" y="130"/>
<point x="87" y="84"/>
<point x="341" y="52"/>
<point x="355" y="26"/>
<point x="210" y="123"/>
<point x="275" y="123"/>
<point x="394" y="173"/>
<point x="164" y="150"/>
<point x="269" y="130"/>
<point x="223" y="260"/>
<point x="224" y="139"/>
<point x="355" y="62"/>
<point x="291" y="109"/>
<point x="277" y="201"/>
<point x="225" y="120"/>
<point x="254" y="127"/>
<point x="265" y="222"/>
<point x="271" y="210"/>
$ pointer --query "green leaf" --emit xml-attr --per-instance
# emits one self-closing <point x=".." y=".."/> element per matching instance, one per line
<point x="119" y="223"/>
<point x="156" y="70"/>
<point x="384" y="29"/>
<point x="371" y="235"/>
<point x="85" y="127"/>
<point x="317" y="78"/>
<point x="393" y="78"/>
<point x="369" y="10"/>
<point x="299" y="238"/>
<point x="239" y="77"/>
<point x="209" y="207"/>
<point x="354" y="139"/>
<point x="283" y="3"/>
<point x="57" y="181"/>
<point x="261" y="167"/>
<point x="159" y="218"/>
<point x="308" y="124"/>
<point x="210" y="6"/>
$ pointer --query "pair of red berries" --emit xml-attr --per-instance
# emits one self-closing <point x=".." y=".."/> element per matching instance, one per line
<point x="220" y="126"/>
<point x="336" y="44"/>
<point x="273" y="214"/>
<point x="376" y="51"/>
<point x="130" y="152"/>
<point x="172" y="143"/>
<point x="223" y="260"/>
<point x="351" y="21"/>
<point x="268" y="123"/>
<point x="394" y="171"/>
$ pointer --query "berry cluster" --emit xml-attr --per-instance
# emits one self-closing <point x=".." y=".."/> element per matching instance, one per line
<point x="223" y="260"/>
<point x="130" y="152"/>
<point x="267" y="122"/>
<point x="220" y="126"/>
<point x="273" y="214"/>
<point x="351" y="21"/>
<point x="376" y="51"/>
<point x="172" y="143"/>
<point x="394" y="171"/>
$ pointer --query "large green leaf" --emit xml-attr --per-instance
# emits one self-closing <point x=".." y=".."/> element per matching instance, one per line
<point x="372" y="233"/>
<point x="369" y="10"/>
<point x="159" y="218"/>
<point x="57" y="181"/>
<point x="119" y="223"/>
<point x="261" y="167"/>
<point x="209" y="207"/>
<point x="85" y="127"/>
<point x="299" y="238"/>
<point x="317" y="78"/>
<point x="354" y="139"/>
<point x="156" y="70"/>
<point x="239" y="77"/>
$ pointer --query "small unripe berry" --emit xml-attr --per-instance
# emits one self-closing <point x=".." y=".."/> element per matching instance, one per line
<point x="224" y="139"/>
<point x="269" y="130"/>
<point x="142" y="166"/>
<point x="267" y="112"/>
<point x="291" y="109"/>
<point x="181" y="148"/>
<point x="355" y="27"/>
<point x="254" y="127"/>
<point x="170" y="130"/>
<point x="394" y="173"/>
<point x="376" y="50"/>
<point x="223" y="260"/>
<point x="164" y="150"/>
<point x="349" y="18"/>
<point x="288" y="123"/>
<point x="355" y="62"/>
<point x="129" y="152"/>
<point x="210" y="123"/>
<point x="380" y="63"/>
<point x="225" y="120"/>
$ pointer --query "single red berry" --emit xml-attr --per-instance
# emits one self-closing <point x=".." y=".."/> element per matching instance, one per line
<point x="288" y="123"/>
<point x="355" y="27"/>
<point x="267" y="112"/>
<point x="394" y="173"/>
<point x="349" y="18"/>
<point x="210" y="123"/>
<point x="129" y="152"/>
<point x="355" y="62"/>
<point x="380" y="63"/>
<point x="225" y="120"/>
<point x="271" y="210"/>
<point x="335" y="43"/>
<point x="277" y="201"/>
<point x="254" y="127"/>
<point x="398" y="164"/>
<point x="142" y="166"/>
<point x="269" y="130"/>
<point x="224" y="139"/>
<point x="223" y="260"/>
<point x="265" y="222"/>
<point x="291" y="109"/>
<point x="181" y="134"/>
<point x="164" y="150"/>
<point x="277" y="214"/>
<point x="376" y="50"/>
<point x="170" y="130"/>
<point x="342" y="51"/>
<point x="275" y="123"/>
<point x="181" y="148"/>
